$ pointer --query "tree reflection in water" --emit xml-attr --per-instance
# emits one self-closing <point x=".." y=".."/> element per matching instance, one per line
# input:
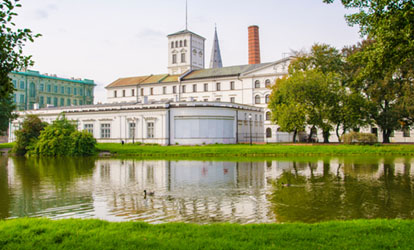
<point x="352" y="190"/>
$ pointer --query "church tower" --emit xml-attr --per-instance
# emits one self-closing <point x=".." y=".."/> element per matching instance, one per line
<point x="185" y="52"/>
<point x="215" y="60"/>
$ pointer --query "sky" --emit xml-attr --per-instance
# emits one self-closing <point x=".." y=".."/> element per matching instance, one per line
<point x="104" y="40"/>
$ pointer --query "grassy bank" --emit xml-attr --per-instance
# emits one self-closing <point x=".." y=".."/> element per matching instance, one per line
<point x="7" y="145"/>
<point x="95" y="234"/>
<point x="264" y="150"/>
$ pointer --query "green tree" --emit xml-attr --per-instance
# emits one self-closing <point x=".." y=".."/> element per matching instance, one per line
<point x="12" y="41"/>
<point x="27" y="136"/>
<point x="62" y="139"/>
<point x="386" y="62"/>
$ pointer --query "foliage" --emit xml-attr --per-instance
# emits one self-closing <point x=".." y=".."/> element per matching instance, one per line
<point x="27" y="136"/>
<point x="96" y="234"/>
<point x="359" y="138"/>
<point x="12" y="41"/>
<point x="62" y="139"/>
<point x="384" y="69"/>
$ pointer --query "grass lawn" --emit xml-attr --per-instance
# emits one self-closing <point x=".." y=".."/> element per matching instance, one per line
<point x="96" y="234"/>
<point x="244" y="150"/>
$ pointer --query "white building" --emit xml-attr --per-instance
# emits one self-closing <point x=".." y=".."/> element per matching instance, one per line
<point x="162" y="123"/>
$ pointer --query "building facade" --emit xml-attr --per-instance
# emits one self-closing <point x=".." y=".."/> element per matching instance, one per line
<point x="164" y="123"/>
<point x="35" y="90"/>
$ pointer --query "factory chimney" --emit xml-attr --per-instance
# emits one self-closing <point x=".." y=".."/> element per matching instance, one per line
<point x="254" y="45"/>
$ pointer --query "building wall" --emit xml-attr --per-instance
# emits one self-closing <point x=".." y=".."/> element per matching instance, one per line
<point x="32" y="87"/>
<point x="159" y="123"/>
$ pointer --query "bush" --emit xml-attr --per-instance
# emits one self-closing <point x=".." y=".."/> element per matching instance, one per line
<point x="359" y="138"/>
<point x="28" y="135"/>
<point x="62" y="139"/>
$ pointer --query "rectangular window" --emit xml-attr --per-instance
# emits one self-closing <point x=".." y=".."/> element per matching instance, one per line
<point x="55" y="89"/>
<point x="81" y="92"/>
<point x="150" y="130"/>
<point x="183" y="57"/>
<point x="194" y="87"/>
<point x="206" y="100"/>
<point x="48" y="100"/>
<point x="123" y="93"/>
<point x="115" y="93"/>
<point x="132" y="126"/>
<point x="62" y="90"/>
<point x="218" y="86"/>
<point x="105" y="130"/>
<point x="80" y="102"/>
<point x="406" y="132"/>
<point x="68" y="90"/>
<point x="132" y="92"/>
<point x="49" y="88"/>
<point x="151" y="91"/>
<point x="41" y="87"/>
<point x="55" y="101"/>
<point x="232" y="99"/>
<point x="22" y="85"/>
<point x="183" y="89"/>
<point x="68" y="102"/>
<point x="75" y="102"/>
<point x="41" y="101"/>
<point x="232" y="85"/>
<point x="88" y="128"/>
<point x="15" y="84"/>
<point x="164" y="90"/>
<point x="174" y="59"/>
<point x="142" y="92"/>
<point x="218" y="99"/>
<point x="75" y="91"/>
<point x="174" y="89"/>
<point x="62" y="102"/>
<point x="205" y="87"/>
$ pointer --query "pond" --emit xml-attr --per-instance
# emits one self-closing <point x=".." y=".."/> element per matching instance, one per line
<point x="264" y="191"/>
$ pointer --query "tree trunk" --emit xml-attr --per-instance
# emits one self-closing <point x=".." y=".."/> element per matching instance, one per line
<point x="326" y="135"/>
<point x="310" y="134"/>
<point x="386" y="136"/>
<point x="337" y="133"/>
<point x="294" y="135"/>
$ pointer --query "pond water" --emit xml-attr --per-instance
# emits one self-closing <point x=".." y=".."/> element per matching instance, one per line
<point x="263" y="191"/>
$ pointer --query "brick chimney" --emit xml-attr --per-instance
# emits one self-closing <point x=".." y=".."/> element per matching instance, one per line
<point x="254" y="45"/>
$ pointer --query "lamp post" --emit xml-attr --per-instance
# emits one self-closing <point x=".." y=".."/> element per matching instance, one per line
<point x="250" y="126"/>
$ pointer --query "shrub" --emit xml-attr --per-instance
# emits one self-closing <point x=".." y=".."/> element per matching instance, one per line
<point x="28" y="135"/>
<point x="62" y="139"/>
<point x="359" y="138"/>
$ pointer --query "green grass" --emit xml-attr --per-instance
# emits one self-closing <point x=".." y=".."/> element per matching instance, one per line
<point x="7" y="145"/>
<point x="96" y="234"/>
<point x="265" y="150"/>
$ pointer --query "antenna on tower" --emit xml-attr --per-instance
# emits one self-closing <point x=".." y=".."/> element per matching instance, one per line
<point x="186" y="10"/>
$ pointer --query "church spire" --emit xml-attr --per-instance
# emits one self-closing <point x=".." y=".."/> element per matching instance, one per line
<point x="215" y="60"/>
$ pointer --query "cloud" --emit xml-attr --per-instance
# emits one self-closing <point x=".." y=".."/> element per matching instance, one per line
<point x="41" y="14"/>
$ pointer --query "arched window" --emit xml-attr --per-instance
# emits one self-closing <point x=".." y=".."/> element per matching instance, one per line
<point x="268" y="116"/>
<point x="267" y="83"/>
<point x="176" y="44"/>
<point x="181" y="43"/>
<point x="268" y="132"/>
<point x="267" y="99"/>
<point x="257" y="99"/>
<point x="172" y="45"/>
<point x="185" y="43"/>
<point x="257" y="84"/>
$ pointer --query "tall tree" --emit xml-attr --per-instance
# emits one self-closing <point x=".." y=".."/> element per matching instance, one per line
<point x="12" y="41"/>
<point x="386" y="61"/>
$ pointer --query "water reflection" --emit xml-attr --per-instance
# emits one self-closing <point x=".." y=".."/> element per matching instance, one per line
<point x="347" y="189"/>
<point x="277" y="190"/>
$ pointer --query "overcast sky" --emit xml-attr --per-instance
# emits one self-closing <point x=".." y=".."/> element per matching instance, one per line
<point x="104" y="39"/>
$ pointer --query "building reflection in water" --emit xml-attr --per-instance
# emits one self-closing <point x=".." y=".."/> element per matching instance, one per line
<point x="191" y="191"/>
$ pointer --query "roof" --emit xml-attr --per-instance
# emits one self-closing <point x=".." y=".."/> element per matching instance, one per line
<point x="223" y="72"/>
<point x="34" y="73"/>
<point x="182" y="32"/>
<point x="136" y="80"/>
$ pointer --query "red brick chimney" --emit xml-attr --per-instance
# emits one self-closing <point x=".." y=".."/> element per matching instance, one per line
<point x="254" y="45"/>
